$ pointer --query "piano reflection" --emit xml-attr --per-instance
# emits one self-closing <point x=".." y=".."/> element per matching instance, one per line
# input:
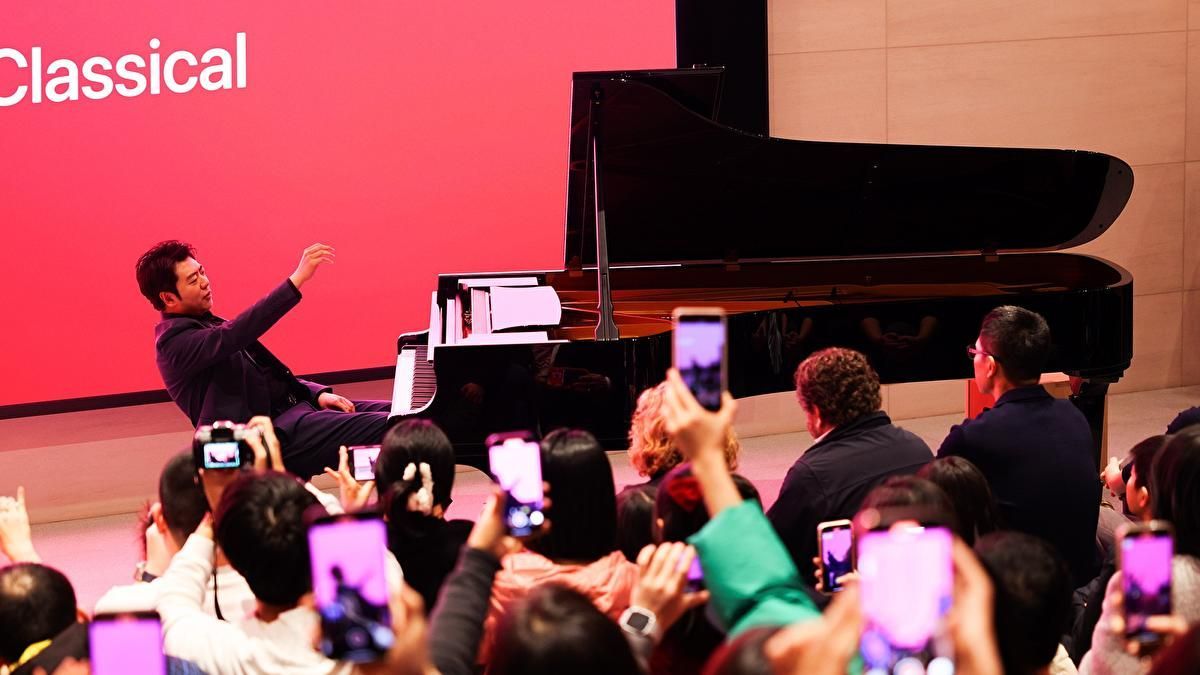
<point x="897" y="251"/>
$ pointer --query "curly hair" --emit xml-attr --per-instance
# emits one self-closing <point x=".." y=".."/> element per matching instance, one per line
<point x="650" y="449"/>
<point x="839" y="383"/>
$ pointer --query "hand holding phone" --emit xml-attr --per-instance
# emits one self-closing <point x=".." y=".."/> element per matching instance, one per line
<point x="362" y="461"/>
<point x="699" y="352"/>
<point x="515" y="460"/>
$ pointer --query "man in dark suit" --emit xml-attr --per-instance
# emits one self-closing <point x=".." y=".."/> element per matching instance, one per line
<point x="1034" y="449"/>
<point x="856" y="448"/>
<point x="218" y="370"/>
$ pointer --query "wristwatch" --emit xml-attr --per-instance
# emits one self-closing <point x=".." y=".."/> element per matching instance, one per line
<point x="639" y="621"/>
<point x="140" y="573"/>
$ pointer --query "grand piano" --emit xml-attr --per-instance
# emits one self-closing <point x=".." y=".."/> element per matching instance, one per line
<point x="894" y="250"/>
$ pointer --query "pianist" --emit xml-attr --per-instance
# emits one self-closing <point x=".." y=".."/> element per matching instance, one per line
<point x="216" y="369"/>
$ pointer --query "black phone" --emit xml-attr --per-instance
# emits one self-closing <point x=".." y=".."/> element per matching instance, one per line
<point x="1146" y="550"/>
<point x="348" y="555"/>
<point x="126" y="642"/>
<point x="699" y="352"/>
<point x="515" y="460"/>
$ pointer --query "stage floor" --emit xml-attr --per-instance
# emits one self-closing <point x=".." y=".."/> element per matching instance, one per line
<point x="99" y="552"/>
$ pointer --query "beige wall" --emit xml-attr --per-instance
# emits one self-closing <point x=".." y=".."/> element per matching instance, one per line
<point x="1117" y="76"/>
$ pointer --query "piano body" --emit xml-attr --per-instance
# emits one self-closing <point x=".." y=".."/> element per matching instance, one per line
<point x="894" y="250"/>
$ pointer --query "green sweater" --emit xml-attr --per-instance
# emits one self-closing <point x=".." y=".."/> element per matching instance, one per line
<point x="749" y="573"/>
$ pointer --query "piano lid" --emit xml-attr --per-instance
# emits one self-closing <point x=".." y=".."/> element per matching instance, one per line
<point x="682" y="188"/>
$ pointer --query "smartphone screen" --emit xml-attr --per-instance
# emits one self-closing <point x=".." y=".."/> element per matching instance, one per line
<point x="222" y="455"/>
<point x="516" y="462"/>
<point x="362" y="461"/>
<point x="1146" y="575"/>
<point x="350" y="586"/>
<point x="695" y="576"/>
<point x="836" y="556"/>
<point x="700" y="355"/>
<point x="126" y="643"/>
<point x="907" y="582"/>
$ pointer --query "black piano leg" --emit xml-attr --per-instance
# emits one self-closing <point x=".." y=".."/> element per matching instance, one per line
<point x="1091" y="400"/>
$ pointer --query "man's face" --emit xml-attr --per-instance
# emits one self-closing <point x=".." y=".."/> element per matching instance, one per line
<point x="194" y="292"/>
<point x="1137" y="499"/>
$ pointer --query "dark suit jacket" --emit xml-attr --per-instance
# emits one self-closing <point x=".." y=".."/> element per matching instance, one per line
<point x="831" y="479"/>
<point x="1036" y="452"/>
<point x="209" y="374"/>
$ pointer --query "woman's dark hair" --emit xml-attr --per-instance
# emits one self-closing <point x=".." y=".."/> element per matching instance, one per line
<point x="1141" y="458"/>
<point x="556" y="630"/>
<point x="635" y="520"/>
<point x="680" y="504"/>
<point x="412" y="442"/>
<point x="584" y="502"/>
<point x="744" y="654"/>
<point x="970" y="495"/>
<point x="155" y="270"/>
<point x="926" y="500"/>
<point x="1175" y="488"/>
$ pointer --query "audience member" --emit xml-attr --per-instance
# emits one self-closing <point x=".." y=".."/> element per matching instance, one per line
<point x="679" y="513"/>
<point x="16" y="535"/>
<point x="653" y="454"/>
<point x="1035" y="450"/>
<point x="855" y="447"/>
<point x="1033" y="602"/>
<point x="37" y="607"/>
<point x="1175" y="497"/>
<point x="580" y="550"/>
<point x="180" y="508"/>
<point x="414" y="475"/>
<point x="971" y="498"/>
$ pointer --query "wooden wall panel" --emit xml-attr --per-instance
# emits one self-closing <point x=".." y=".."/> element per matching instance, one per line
<point x="829" y="96"/>
<point x="824" y="25"/>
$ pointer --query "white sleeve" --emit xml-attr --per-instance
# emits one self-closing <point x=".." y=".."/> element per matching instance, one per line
<point x="189" y="632"/>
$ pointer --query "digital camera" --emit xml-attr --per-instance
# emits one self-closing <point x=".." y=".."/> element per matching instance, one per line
<point x="222" y="445"/>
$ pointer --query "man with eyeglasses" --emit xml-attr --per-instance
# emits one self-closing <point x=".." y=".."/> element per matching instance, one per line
<point x="1035" y="450"/>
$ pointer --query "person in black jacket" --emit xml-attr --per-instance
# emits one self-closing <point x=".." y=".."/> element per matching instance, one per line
<point x="856" y="447"/>
<point x="1034" y="449"/>
<point x="218" y="370"/>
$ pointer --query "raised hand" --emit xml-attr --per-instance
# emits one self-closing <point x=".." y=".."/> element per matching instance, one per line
<point x="354" y="495"/>
<point x="16" y="536"/>
<point x="313" y="257"/>
<point x="662" y="583"/>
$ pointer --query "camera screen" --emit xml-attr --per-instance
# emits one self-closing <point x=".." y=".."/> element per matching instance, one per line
<point x="350" y="587"/>
<point x="362" y="460"/>
<point x="699" y="348"/>
<point x="222" y="455"/>
<point x="1146" y="570"/>
<point x="517" y="466"/>
<point x="126" y="644"/>
<point x="907" y="583"/>
<point x="836" y="556"/>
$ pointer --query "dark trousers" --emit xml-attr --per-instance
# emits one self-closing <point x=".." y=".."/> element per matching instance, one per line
<point x="313" y="441"/>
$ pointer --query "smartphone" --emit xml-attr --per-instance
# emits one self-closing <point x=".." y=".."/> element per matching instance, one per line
<point x="348" y="557"/>
<point x="362" y="461"/>
<point x="515" y="460"/>
<point x="1146" y="551"/>
<point x="699" y="352"/>
<point x="695" y="577"/>
<point x="835" y="542"/>
<point x="907" y="580"/>
<point x="126" y="643"/>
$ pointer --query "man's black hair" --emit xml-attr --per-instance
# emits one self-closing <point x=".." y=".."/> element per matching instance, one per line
<point x="156" y="270"/>
<point x="975" y="507"/>
<point x="260" y="527"/>
<point x="555" y="630"/>
<point x="584" y="510"/>
<point x="182" y="497"/>
<point x="36" y="603"/>
<point x="1019" y="340"/>
<point x="1032" y="601"/>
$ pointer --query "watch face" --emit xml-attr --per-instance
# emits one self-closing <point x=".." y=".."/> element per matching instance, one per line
<point x="638" y="621"/>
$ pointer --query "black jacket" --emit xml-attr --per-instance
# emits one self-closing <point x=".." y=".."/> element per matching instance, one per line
<point x="1036" y="452"/>
<point x="831" y="479"/>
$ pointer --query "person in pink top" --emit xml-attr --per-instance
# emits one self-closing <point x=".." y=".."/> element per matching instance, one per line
<point x="580" y="550"/>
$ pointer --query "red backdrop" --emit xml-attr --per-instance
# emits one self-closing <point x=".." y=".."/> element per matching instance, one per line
<point x="416" y="137"/>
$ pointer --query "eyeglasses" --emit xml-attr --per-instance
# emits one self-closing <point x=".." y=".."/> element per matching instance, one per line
<point x="973" y="351"/>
